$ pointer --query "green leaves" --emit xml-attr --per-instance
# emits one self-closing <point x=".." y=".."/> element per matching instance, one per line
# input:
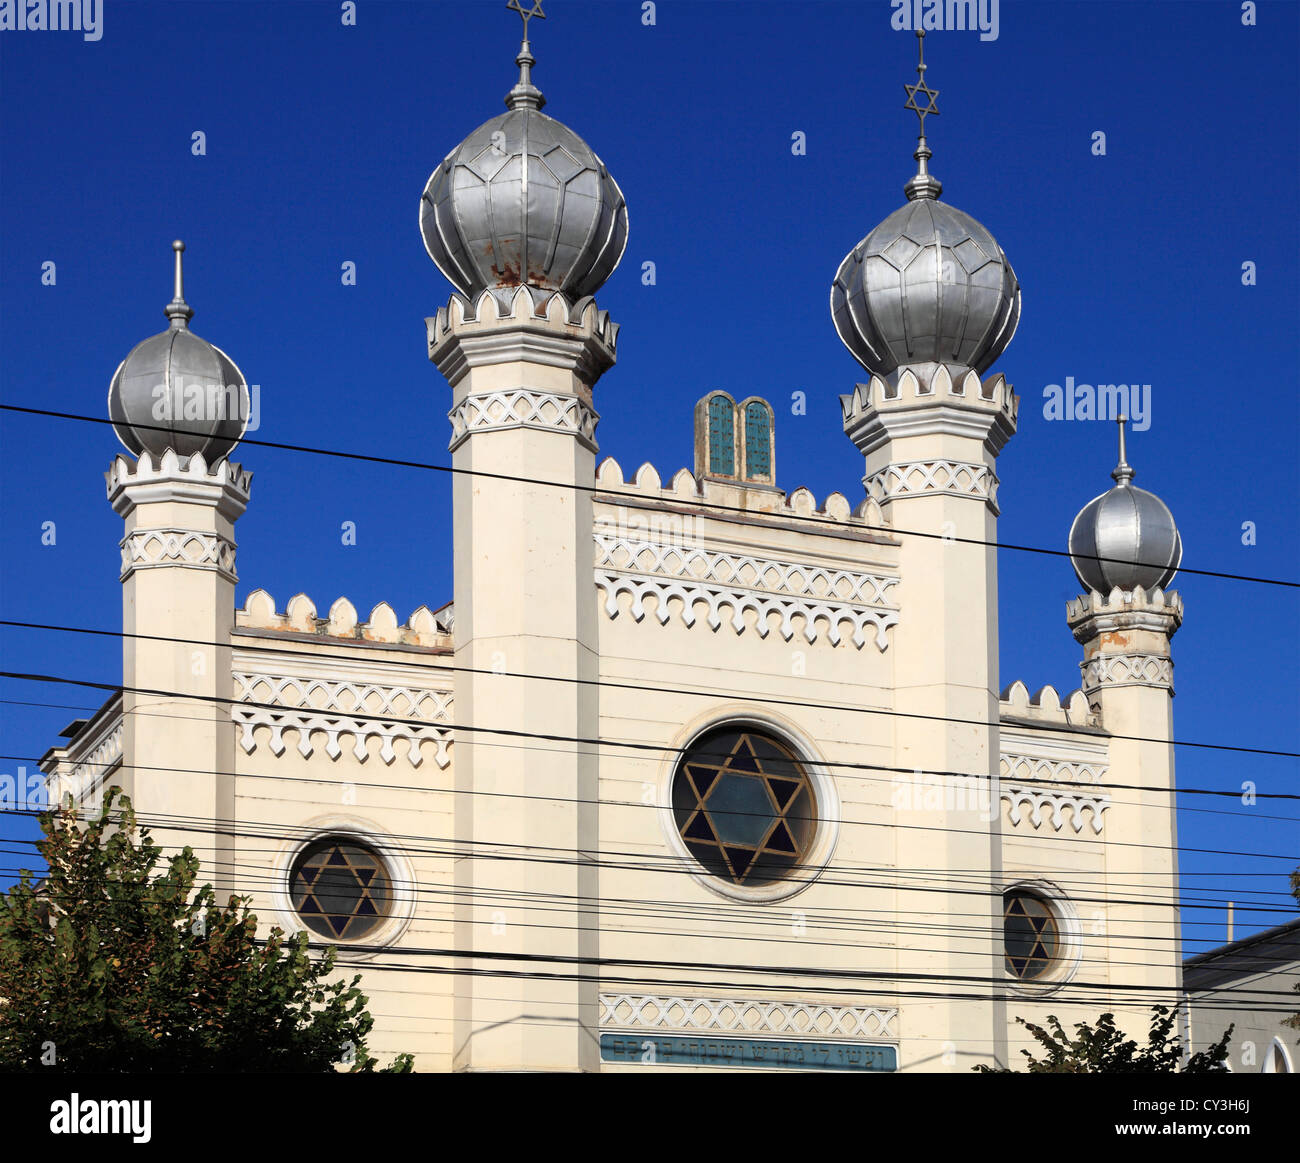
<point x="120" y="962"/>
<point x="1103" y="1049"/>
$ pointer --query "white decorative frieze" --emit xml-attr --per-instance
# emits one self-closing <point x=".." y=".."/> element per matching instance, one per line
<point x="823" y="597"/>
<point x="1036" y="799"/>
<point x="795" y="579"/>
<point x="189" y="548"/>
<point x="630" y="1011"/>
<point x="1127" y="670"/>
<point x="1041" y="769"/>
<point x="84" y="777"/>
<point x="523" y="408"/>
<point x="953" y="477"/>
<point x="363" y="711"/>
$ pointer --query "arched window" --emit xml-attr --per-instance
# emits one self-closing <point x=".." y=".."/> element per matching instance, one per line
<point x="758" y="439"/>
<point x="1276" y="1060"/>
<point x="722" y="436"/>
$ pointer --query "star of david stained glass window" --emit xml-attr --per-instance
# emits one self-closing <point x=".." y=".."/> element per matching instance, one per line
<point x="340" y="889"/>
<point x="1030" y="935"/>
<point x="744" y="806"/>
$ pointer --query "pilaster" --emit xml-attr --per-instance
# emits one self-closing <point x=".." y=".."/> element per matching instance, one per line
<point x="178" y="609"/>
<point x="930" y="436"/>
<point x="526" y="916"/>
<point x="1127" y="674"/>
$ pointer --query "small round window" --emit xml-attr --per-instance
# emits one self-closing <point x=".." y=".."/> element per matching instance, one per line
<point x="1031" y="935"/>
<point x="744" y="806"/>
<point x="340" y="888"/>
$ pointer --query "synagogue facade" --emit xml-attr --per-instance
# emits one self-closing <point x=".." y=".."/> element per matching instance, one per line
<point x="688" y="772"/>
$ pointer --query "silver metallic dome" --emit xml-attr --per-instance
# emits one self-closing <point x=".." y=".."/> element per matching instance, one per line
<point x="175" y="390"/>
<point x="1125" y="537"/>
<point x="523" y="200"/>
<point x="928" y="285"/>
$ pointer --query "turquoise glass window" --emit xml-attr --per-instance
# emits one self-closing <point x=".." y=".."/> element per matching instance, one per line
<point x="722" y="436"/>
<point x="758" y="439"/>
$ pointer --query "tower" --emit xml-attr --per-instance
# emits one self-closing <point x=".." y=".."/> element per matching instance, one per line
<point x="526" y="222"/>
<point x="1125" y="549"/>
<point x="926" y="303"/>
<point x="180" y="405"/>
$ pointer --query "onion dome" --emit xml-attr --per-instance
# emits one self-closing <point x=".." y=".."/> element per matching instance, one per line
<point x="928" y="285"/>
<point x="175" y="390"/>
<point x="524" y="201"/>
<point x="1125" y="537"/>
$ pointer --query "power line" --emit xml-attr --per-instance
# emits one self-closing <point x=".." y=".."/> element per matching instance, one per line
<point x="341" y="778"/>
<point x="411" y="845"/>
<point x="609" y="683"/>
<point x="986" y="942"/>
<point x="617" y="743"/>
<point x="356" y="948"/>
<point x="597" y="488"/>
<point x="515" y="733"/>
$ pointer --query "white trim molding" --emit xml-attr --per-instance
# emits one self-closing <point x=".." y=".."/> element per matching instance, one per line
<point x="84" y="778"/>
<point x="523" y="408"/>
<point x="1040" y="768"/>
<point x="358" y="709"/>
<point x="955" y="478"/>
<point x="823" y="597"/>
<point x="1057" y="800"/>
<point x="186" y="548"/>
<point x="726" y="1015"/>
<point x="1117" y="670"/>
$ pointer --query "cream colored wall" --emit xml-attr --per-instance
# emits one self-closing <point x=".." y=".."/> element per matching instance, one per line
<point x="667" y="914"/>
<point x="912" y="884"/>
<point x="406" y="811"/>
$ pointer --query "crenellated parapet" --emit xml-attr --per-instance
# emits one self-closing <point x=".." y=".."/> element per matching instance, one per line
<point x="686" y="486"/>
<point x="926" y="431"/>
<point x="1125" y="637"/>
<point x="542" y="330"/>
<point x="1046" y="706"/>
<point x="193" y="526"/>
<point x="1125" y="610"/>
<point x="423" y="628"/>
<point x="171" y="478"/>
<point x="922" y="401"/>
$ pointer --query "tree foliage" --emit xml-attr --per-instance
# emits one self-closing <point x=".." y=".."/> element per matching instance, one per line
<point x="1103" y="1049"/>
<point x="112" y="964"/>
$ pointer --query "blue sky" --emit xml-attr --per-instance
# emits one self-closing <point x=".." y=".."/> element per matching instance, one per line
<point x="320" y="138"/>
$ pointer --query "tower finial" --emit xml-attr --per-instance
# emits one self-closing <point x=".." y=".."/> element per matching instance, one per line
<point x="178" y="311"/>
<point x="1123" y="471"/>
<point x="525" y="95"/>
<point x="923" y="184"/>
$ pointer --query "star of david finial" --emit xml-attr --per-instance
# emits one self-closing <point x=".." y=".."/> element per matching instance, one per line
<point x="534" y="8"/>
<point x="920" y="100"/>
<point x="920" y="97"/>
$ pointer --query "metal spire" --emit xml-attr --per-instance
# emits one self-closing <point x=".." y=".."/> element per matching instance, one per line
<point x="1123" y="471"/>
<point x="178" y="311"/>
<point x="525" y="95"/>
<point x="923" y="184"/>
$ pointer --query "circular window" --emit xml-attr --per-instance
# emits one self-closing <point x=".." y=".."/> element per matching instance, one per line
<point x="744" y="806"/>
<point x="1031" y="935"/>
<point x="340" y="888"/>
